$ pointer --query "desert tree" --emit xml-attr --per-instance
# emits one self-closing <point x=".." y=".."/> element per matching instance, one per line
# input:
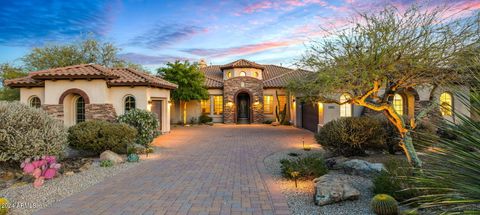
<point x="386" y="52"/>
<point x="190" y="81"/>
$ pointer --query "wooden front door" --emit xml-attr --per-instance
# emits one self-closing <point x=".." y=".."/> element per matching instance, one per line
<point x="157" y="109"/>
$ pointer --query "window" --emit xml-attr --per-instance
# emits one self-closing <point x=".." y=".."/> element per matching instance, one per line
<point x="80" y="110"/>
<point x="205" y="106"/>
<point x="282" y="100"/>
<point x="255" y="74"/>
<point x="446" y="104"/>
<point x="129" y="103"/>
<point x="242" y="73"/>
<point x="229" y="74"/>
<point x="345" y="109"/>
<point x="35" y="102"/>
<point x="268" y="104"/>
<point x="218" y="105"/>
<point x="398" y="103"/>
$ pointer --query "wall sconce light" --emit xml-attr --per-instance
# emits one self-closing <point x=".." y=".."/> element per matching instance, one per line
<point x="229" y="103"/>
<point x="149" y="102"/>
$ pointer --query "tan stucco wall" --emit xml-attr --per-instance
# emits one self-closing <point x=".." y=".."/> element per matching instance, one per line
<point x="27" y="93"/>
<point x="116" y="97"/>
<point x="164" y="96"/>
<point x="96" y="90"/>
<point x="248" y="71"/>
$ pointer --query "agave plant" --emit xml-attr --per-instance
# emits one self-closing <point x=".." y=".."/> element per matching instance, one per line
<point x="451" y="182"/>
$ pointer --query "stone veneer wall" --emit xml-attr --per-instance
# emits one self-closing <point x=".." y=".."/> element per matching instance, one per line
<point x="56" y="111"/>
<point x="245" y="84"/>
<point x="100" y="112"/>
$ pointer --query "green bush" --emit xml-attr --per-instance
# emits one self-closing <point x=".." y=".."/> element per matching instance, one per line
<point x="352" y="135"/>
<point x="106" y="163"/>
<point x="145" y="122"/>
<point x="395" y="181"/>
<point x="392" y="137"/>
<point x="98" y="136"/>
<point x="28" y="132"/>
<point x="312" y="166"/>
<point x="205" y="119"/>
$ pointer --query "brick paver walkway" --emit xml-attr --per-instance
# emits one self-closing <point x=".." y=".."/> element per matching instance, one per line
<point x="200" y="170"/>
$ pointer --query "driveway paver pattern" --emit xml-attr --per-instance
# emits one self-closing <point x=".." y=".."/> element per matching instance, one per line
<point x="197" y="170"/>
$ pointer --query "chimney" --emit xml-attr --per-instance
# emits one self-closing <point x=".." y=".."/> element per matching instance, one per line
<point x="202" y="63"/>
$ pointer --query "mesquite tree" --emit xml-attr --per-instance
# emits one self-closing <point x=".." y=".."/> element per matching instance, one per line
<point x="384" y="53"/>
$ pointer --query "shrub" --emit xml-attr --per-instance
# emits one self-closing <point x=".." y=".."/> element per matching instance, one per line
<point x="395" y="181"/>
<point x="145" y="122"/>
<point x="133" y="158"/>
<point x="205" y="119"/>
<point x="352" y="135"/>
<point x="309" y="167"/>
<point x="28" y="132"/>
<point x="268" y="121"/>
<point x="106" y="163"/>
<point x="392" y="137"/>
<point x="98" y="136"/>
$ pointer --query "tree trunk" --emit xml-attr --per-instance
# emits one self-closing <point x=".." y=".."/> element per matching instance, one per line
<point x="184" y="112"/>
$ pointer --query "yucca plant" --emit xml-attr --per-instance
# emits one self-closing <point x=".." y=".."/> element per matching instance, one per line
<point x="451" y="183"/>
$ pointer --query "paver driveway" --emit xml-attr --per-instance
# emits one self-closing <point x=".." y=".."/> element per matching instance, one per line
<point x="200" y="170"/>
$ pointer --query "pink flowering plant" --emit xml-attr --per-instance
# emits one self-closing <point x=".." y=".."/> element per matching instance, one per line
<point x="41" y="169"/>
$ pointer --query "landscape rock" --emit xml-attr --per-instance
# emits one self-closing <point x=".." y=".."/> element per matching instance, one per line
<point x="69" y="173"/>
<point x="109" y="155"/>
<point x="362" y="168"/>
<point x="335" y="163"/>
<point x="275" y="124"/>
<point x="331" y="188"/>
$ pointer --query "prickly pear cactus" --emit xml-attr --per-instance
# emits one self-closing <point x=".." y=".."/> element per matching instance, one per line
<point x="133" y="158"/>
<point x="383" y="204"/>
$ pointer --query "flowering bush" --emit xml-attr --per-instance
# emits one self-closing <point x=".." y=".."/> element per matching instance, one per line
<point x="41" y="169"/>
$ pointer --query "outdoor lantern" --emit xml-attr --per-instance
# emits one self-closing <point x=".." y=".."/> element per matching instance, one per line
<point x="306" y="147"/>
<point x="149" y="102"/>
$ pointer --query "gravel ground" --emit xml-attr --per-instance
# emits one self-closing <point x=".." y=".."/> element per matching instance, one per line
<point x="300" y="199"/>
<point x="27" y="199"/>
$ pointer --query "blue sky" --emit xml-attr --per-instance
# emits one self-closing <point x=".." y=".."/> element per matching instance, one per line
<point x="154" y="32"/>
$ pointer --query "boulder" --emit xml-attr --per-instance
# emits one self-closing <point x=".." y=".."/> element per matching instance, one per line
<point x="362" y="168"/>
<point x="331" y="188"/>
<point x="335" y="163"/>
<point x="109" y="155"/>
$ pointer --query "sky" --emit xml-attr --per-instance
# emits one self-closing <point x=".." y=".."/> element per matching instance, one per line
<point x="152" y="33"/>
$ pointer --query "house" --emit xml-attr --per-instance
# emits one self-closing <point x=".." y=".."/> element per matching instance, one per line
<point x="247" y="92"/>
<point x="242" y="92"/>
<point x="77" y="93"/>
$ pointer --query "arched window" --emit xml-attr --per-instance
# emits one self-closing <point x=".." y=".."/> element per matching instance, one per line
<point x="242" y="73"/>
<point x="398" y="104"/>
<point x="345" y="109"/>
<point x="229" y="74"/>
<point x="79" y="110"/>
<point x="446" y="104"/>
<point x="255" y="74"/>
<point x="35" y="102"/>
<point x="129" y="103"/>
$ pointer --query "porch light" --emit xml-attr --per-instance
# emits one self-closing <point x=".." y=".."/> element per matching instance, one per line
<point x="149" y="102"/>
<point x="229" y="103"/>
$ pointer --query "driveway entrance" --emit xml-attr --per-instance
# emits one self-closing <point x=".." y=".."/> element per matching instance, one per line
<point x="199" y="170"/>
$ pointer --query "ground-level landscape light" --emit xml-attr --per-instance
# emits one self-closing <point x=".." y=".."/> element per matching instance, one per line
<point x="306" y="147"/>
<point x="295" y="175"/>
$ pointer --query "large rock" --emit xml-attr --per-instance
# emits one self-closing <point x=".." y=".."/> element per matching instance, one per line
<point x="363" y="168"/>
<point x="109" y="155"/>
<point x="331" y="188"/>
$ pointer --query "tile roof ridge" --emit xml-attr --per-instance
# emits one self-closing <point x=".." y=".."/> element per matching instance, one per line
<point x="213" y="79"/>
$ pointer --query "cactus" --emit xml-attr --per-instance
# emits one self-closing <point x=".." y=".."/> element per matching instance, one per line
<point x="41" y="169"/>
<point x="132" y="158"/>
<point x="106" y="163"/>
<point x="3" y="206"/>
<point x="383" y="204"/>
<point x="281" y="116"/>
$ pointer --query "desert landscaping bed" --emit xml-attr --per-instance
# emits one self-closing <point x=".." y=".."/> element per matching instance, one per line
<point x="28" y="199"/>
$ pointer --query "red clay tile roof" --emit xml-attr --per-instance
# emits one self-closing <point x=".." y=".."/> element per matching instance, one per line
<point x="242" y="63"/>
<point x="114" y="77"/>
<point x="273" y="76"/>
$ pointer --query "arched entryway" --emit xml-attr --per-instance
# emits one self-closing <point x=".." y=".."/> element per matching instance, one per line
<point x="74" y="103"/>
<point x="243" y="107"/>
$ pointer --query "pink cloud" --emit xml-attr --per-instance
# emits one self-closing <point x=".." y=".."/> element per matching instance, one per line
<point x="285" y="5"/>
<point x="242" y="50"/>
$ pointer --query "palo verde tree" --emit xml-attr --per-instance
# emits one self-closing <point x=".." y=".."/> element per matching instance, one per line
<point x="190" y="81"/>
<point x="384" y="53"/>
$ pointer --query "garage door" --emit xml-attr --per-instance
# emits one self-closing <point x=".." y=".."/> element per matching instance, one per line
<point x="310" y="116"/>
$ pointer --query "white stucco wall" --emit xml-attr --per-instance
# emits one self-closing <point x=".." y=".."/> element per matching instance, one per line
<point x="116" y="97"/>
<point x="96" y="90"/>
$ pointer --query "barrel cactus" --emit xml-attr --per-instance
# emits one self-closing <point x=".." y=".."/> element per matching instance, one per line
<point x="383" y="204"/>
<point x="133" y="158"/>
<point x="3" y="206"/>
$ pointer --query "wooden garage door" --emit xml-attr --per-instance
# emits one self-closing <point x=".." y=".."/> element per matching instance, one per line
<point x="310" y="116"/>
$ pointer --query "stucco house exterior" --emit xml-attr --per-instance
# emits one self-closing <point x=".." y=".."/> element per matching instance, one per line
<point x="241" y="92"/>
<point x="84" y="92"/>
